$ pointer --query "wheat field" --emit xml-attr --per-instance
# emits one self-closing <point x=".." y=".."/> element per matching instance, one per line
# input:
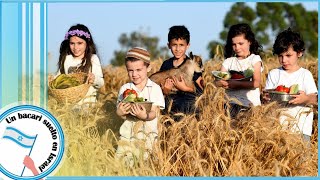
<point x="252" y="145"/>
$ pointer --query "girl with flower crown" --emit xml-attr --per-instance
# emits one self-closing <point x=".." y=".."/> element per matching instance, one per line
<point x="78" y="54"/>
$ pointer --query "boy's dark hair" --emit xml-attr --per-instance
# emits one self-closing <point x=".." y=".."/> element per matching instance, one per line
<point x="239" y="29"/>
<point x="65" y="49"/>
<point x="179" y="32"/>
<point x="286" y="39"/>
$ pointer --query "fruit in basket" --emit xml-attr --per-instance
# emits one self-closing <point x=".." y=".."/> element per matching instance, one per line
<point x="130" y="95"/>
<point x="131" y="92"/>
<point x="237" y="76"/>
<point x="248" y="72"/>
<point x="282" y="88"/>
<point x="224" y="75"/>
<point x="294" y="89"/>
<point x="64" y="81"/>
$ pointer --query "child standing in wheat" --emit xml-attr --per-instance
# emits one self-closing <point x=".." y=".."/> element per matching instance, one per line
<point x="289" y="47"/>
<point x="78" y="54"/>
<point x="184" y="100"/>
<point x="138" y="134"/>
<point x="242" y="53"/>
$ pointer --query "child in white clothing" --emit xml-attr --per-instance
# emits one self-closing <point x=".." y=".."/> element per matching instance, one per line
<point x="143" y="128"/>
<point x="242" y="51"/>
<point x="289" y="47"/>
<point x="78" y="54"/>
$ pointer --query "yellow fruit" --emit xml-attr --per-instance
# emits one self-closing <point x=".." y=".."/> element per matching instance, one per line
<point x="294" y="89"/>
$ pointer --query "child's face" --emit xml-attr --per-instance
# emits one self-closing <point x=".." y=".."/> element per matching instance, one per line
<point x="178" y="47"/>
<point x="137" y="72"/>
<point x="289" y="59"/>
<point x="78" y="47"/>
<point x="241" y="46"/>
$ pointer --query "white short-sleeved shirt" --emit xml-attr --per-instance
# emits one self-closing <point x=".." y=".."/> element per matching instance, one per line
<point x="153" y="93"/>
<point x="304" y="79"/>
<point x="245" y="96"/>
<point x="70" y="66"/>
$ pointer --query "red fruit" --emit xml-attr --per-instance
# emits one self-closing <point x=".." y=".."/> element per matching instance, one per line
<point x="127" y="92"/>
<point x="279" y="88"/>
<point x="282" y="88"/>
<point x="286" y="89"/>
<point x="237" y="76"/>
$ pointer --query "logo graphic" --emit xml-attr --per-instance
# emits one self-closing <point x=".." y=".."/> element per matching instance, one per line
<point x="31" y="143"/>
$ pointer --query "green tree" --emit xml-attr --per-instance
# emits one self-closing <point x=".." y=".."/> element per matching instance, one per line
<point x="139" y="39"/>
<point x="270" y="18"/>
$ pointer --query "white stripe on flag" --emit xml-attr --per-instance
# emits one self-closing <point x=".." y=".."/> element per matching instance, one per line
<point x="19" y="137"/>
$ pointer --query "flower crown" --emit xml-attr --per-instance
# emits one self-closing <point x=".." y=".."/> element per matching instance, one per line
<point x="78" y="33"/>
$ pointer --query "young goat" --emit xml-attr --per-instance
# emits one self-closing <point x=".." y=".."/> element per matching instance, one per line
<point x="186" y="70"/>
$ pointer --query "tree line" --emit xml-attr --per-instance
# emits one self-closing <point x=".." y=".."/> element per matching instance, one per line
<point x="267" y="19"/>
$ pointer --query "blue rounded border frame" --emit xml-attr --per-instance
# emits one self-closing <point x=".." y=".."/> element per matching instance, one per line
<point x="61" y="137"/>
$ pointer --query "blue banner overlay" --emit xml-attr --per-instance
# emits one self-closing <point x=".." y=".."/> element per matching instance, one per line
<point x="23" y="52"/>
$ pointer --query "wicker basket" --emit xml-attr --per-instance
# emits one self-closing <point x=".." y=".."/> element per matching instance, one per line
<point x="81" y="77"/>
<point x="73" y="94"/>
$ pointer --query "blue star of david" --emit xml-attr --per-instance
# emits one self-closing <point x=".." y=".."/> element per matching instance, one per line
<point x="20" y="138"/>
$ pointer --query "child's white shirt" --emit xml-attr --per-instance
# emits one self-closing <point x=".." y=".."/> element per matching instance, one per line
<point x="301" y="113"/>
<point x="148" y="129"/>
<point x="245" y="96"/>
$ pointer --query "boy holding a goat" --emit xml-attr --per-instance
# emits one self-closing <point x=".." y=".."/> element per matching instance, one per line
<point x="184" y="99"/>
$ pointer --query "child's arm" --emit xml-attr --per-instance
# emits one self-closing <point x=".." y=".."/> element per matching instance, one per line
<point x="141" y="113"/>
<point x="180" y="84"/>
<point x="309" y="94"/>
<point x="303" y="98"/>
<point x="167" y="86"/>
<point x="221" y="83"/>
<point x="200" y="82"/>
<point x="96" y="76"/>
<point x="123" y="109"/>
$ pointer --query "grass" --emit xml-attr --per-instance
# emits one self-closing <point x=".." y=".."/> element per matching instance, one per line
<point x="252" y="145"/>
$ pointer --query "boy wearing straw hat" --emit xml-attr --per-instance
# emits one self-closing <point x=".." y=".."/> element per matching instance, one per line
<point x="138" y="134"/>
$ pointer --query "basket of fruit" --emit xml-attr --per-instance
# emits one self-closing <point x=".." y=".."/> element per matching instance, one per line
<point x="69" y="87"/>
<point x="233" y="75"/>
<point x="283" y="93"/>
<point x="131" y="96"/>
<point x="241" y="75"/>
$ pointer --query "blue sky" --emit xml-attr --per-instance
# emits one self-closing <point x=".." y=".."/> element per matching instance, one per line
<point x="108" y="20"/>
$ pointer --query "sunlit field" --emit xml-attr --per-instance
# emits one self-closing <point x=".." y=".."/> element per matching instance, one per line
<point x="253" y="144"/>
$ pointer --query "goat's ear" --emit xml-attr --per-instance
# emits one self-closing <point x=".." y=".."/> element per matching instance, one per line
<point x="191" y="55"/>
<point x="149" y="68"/>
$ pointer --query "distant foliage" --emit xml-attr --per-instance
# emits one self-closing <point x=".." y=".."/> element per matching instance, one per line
<point x="140" y="39"/>
<point x="268" y="19"/>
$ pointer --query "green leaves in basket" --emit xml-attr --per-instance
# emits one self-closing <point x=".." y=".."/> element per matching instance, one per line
<point x="133" y="98"/>
<point x="64" y="81"/>
<point x="248" y="72"/>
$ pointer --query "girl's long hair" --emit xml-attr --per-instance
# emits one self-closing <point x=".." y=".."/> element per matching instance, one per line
<point x="65" y="49"/>
<point x="239" y="29"/>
